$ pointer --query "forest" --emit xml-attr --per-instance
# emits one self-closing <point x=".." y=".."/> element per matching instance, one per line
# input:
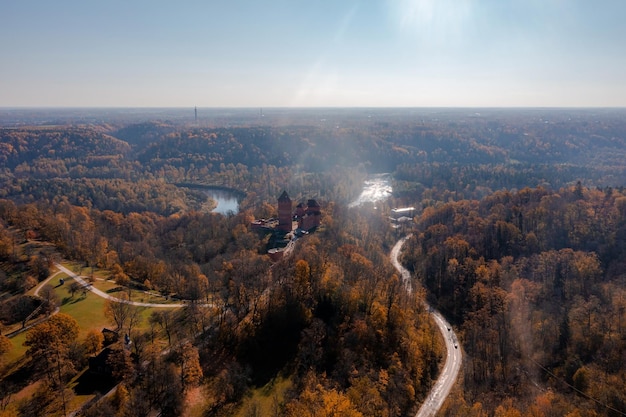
<point x="518" y="238"/>
<point x="534" y="279"/>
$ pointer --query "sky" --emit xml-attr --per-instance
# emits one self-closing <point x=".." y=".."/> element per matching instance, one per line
<point x="323" y="53"/>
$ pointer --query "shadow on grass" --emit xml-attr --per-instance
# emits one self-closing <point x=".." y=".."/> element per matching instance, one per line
<point x="116" y="289"/>
<point x="19" y="378"/>
<point x="72" y="300"/>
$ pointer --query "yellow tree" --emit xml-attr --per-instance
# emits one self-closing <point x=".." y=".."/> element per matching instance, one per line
<point x="322" y="402"/>
<point x="121" y="364"/>
<point x="506" y="409"/>
<point x="49" y="348"/>
<point x="93" y="342"/>
<point x="190" y="370"/>
<point x="119" y="276"/>
<point x="366" y="395"/>
<point x="5" y="347"/>
<point x="302" y="281"/>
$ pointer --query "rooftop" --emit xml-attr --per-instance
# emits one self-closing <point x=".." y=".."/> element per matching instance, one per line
<point x="284" y="197"/>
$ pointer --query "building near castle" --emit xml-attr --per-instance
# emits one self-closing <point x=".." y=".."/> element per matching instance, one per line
<point x="290" y="224"/>
<point x="306" y="217"/>
<point x="401" y="216"/>
<point x="398" y="213"/>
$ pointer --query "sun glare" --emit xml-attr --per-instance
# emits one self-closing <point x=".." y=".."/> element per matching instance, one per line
<point x="432" y="20"/>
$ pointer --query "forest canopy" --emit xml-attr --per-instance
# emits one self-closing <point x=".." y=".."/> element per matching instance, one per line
<point x="518" y="238"/>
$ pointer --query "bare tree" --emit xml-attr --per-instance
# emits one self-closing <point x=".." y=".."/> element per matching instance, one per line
<point x="50" y="298"/>
<point x="118" y="312"/>
<point x="165" y="320"/>
<point x="134" y="318"/>
<point x="74" y="288"/>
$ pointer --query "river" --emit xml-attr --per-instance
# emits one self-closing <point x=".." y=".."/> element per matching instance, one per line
<point x="227" y="201"/>
<point x="377" y="187"/>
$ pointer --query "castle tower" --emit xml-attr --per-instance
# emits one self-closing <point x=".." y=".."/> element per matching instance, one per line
<point x="284" y="213"/>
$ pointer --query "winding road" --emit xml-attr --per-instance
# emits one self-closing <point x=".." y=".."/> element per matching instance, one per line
<point x="450" y="371"/>
<point x="102" y="294"/>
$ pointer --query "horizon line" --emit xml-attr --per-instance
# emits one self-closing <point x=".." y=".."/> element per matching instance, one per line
<point x="34" y="107"/>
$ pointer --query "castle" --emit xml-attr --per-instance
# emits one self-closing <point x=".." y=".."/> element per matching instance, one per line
<point x="304" y="218"/>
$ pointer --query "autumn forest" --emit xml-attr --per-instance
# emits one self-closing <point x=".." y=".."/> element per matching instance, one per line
<point x="518" y="238"/>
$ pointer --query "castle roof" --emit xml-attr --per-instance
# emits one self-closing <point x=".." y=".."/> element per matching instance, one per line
<point x="284" y="197"/>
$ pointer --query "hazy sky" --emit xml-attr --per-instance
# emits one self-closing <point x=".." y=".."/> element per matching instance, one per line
<point x="253" y="53"/>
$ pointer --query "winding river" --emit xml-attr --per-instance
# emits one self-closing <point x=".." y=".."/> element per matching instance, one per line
<point x="227" y="201"/>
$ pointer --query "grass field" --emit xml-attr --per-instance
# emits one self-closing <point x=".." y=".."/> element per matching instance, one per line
<point x="17" y="351"/>
<point x="86" y="308"/>
<point x="88" y="311"/>
<point x="115" y="290"/>
<point x="101" y="280"/>
<point x="261" y="401"/>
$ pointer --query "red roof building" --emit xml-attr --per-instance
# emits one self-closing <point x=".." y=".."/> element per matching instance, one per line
<point x="310" y="217"/>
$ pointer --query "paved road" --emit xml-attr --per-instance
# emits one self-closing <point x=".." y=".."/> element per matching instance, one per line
<point x="405" y="275"/>
<point x="450" y="371"/>
<point x="40" y="320"/>
<point x="44" y="282"/>
<point x="92" y="289"/>
<point x="109" y="297"/>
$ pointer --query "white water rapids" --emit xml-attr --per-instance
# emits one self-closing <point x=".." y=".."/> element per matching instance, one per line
<point x="376" y="188"/>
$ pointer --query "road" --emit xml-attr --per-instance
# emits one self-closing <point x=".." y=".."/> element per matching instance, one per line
<point x="109" y="297"/>
<point x="405" y="275"/>
<point x="91" y="288"/>
<point x="454" y="358"/>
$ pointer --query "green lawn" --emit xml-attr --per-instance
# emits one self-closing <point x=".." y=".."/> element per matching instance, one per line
<point x="102" y="282"/>
<point x="18" y="350"/>
<point x="115" y="290"/>
<point x="264" y="398"/>
<point x="87" y="310"/>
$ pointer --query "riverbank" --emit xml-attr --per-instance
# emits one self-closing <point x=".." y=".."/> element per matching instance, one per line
<point x="222" y="200"/>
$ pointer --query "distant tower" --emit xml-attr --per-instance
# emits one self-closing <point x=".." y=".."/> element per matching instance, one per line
<point x="285" y="217"/>
<point x="195" y="110"/>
